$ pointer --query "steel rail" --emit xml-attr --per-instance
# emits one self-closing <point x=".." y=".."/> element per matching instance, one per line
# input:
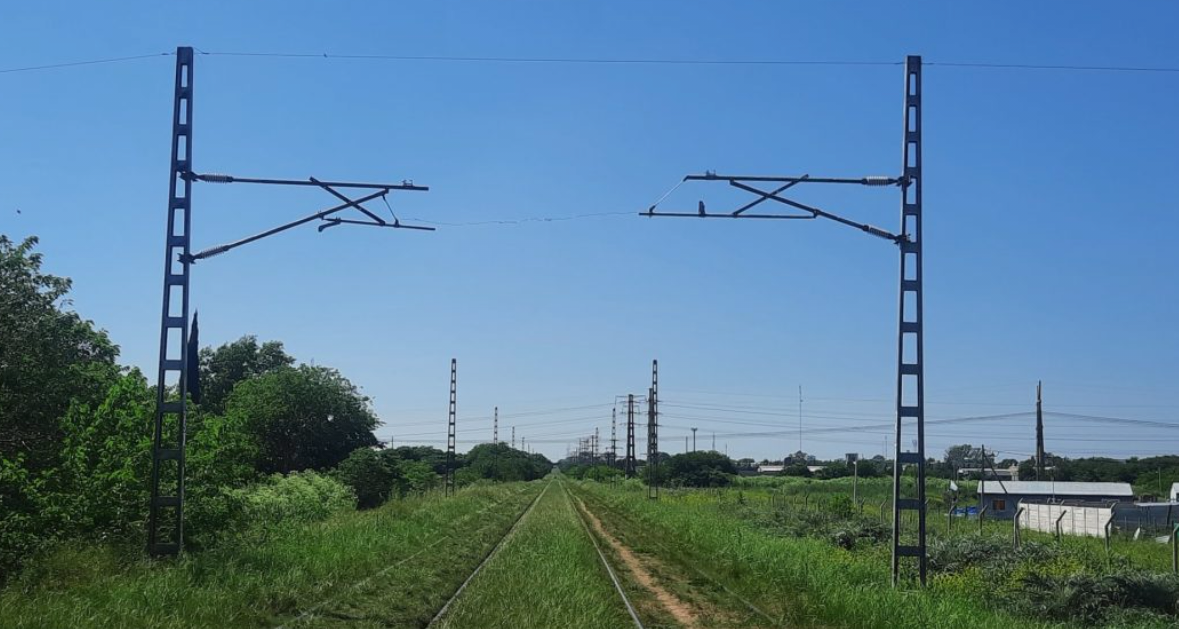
<point x="310" y="612"/>
<point x="613" y="577"/>
<point x="494" y="551"/>
<point x="682" y="560"/>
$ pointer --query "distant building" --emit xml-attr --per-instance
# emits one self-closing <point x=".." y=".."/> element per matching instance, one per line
<point x="1002" y="497"/>
<point x="770" y="469"/>
<point x="999" y="473"/>
<point x="1175" y="492"/>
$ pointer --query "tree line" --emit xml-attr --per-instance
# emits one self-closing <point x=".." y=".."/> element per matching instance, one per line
<point x="76" y="426"/>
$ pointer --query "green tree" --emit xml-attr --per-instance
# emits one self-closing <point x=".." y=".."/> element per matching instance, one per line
<point x="49" y="357"/>
<point x="418" y="476"/>
<point x="226" y="366"/>
<point x="50" y="360"/>
<point x="305" y="417"/>
<point x="963" y="455"/>
<point x="501" y="462"/>
<point x="373" y="477"/>
<point x="700" y="469"/>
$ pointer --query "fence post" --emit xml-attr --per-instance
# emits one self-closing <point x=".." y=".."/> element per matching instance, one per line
<point x="982" y="512"/>
<point x="950" y="519"/>
<point x="882" y="503"/>
<point x="1175" y="549"/>
<point x="1015" y="524"/>
<point x="1063" y="512"/>
<point x="1107" y="527"/>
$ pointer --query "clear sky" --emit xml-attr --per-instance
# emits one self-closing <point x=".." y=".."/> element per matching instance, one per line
<point x="1050" y="208"/>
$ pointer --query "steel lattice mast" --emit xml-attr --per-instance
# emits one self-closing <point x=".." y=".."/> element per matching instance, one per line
<point x="178" y="352"/>
<point x="448" y="490"/>
<point x="910" y="379"/>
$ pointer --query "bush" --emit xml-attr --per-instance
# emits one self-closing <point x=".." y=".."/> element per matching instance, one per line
<point x="1091" y="598"/>
<point x="283" y="500"/>
<point x="797" y="469"/>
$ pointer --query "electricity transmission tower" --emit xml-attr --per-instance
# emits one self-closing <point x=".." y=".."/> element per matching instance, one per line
<point x="448" y="489"/>
<point x="630" y="436"/>
<point x="177" y="372"/>
<point x="910" y="380"/>
<point x="613" y="457"/>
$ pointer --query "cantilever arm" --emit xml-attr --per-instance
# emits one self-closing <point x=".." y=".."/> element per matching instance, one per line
<point x="864" y="227"/>
<point x="220" y="249"/>
<point x="738" y="181"/>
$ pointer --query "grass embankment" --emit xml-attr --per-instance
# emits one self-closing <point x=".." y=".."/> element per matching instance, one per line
<point x="814" y="581"/>
<point x="392" y="566"/>
<point x="823" y="497"/>
<point x="546" y="575"/>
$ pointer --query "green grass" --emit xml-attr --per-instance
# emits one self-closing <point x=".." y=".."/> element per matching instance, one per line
<point x="816" y="583"/>
<point x="391" y="566"/>
<point x="546" y="575"/>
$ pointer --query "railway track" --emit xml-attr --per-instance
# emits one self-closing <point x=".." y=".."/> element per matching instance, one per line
<point x="310" y="612"/>
<point x="682" y="560"/>
<point x="439" y="617"/>
<point x="609" y="569"/>
<point x="492" y="553"/>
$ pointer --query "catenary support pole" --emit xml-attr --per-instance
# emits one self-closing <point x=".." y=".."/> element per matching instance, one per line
<point x="165" y="526"/>
<point x="653" y="432"/>
<point x="1039" y="431"/>
<point x="450" y="430"/>
<point x="910" y="392"/>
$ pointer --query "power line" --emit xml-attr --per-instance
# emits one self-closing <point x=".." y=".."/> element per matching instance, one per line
<point x="554" y="60"/>
<point x="633" y="61"/>
<point x="73" y="64"/>
<point x="521" y="221"/>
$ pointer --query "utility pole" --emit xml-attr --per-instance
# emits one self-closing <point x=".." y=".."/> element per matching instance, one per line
<point x="177" y="369"/>
<point x="513" y="437"/>
<point x="686" y="450"/>
<point x="1039" y="431"/>
<point x="910" y="239"/>
<point x="714" y="442"/>
<point x="630" y="436"/>
<point x="653" y="433"/>
<point x="800" y="418"/>
<point x="693" y="439"/>
<point x="495" y="427"/>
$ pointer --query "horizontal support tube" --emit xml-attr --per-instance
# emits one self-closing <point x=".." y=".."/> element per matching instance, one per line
<point x="861" y="181"/>
<point x="699" y="215"/>
<point x="300" y="182"/>
<point x="395" y="225"/>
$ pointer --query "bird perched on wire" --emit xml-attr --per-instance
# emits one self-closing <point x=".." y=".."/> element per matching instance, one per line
<point x="700" y="208"/>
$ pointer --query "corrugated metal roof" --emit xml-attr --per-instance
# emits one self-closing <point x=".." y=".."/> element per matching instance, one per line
<point x="1058" y="488"/>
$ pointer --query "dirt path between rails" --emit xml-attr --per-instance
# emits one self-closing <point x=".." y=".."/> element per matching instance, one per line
<point x="681" y="611"/>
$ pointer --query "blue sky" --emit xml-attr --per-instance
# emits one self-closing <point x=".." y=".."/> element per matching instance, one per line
<point x="1050" y="210"/>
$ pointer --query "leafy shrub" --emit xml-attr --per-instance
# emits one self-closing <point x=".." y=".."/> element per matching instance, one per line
<point x="1090" y="598"/>
<point x="279" y="500"/>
